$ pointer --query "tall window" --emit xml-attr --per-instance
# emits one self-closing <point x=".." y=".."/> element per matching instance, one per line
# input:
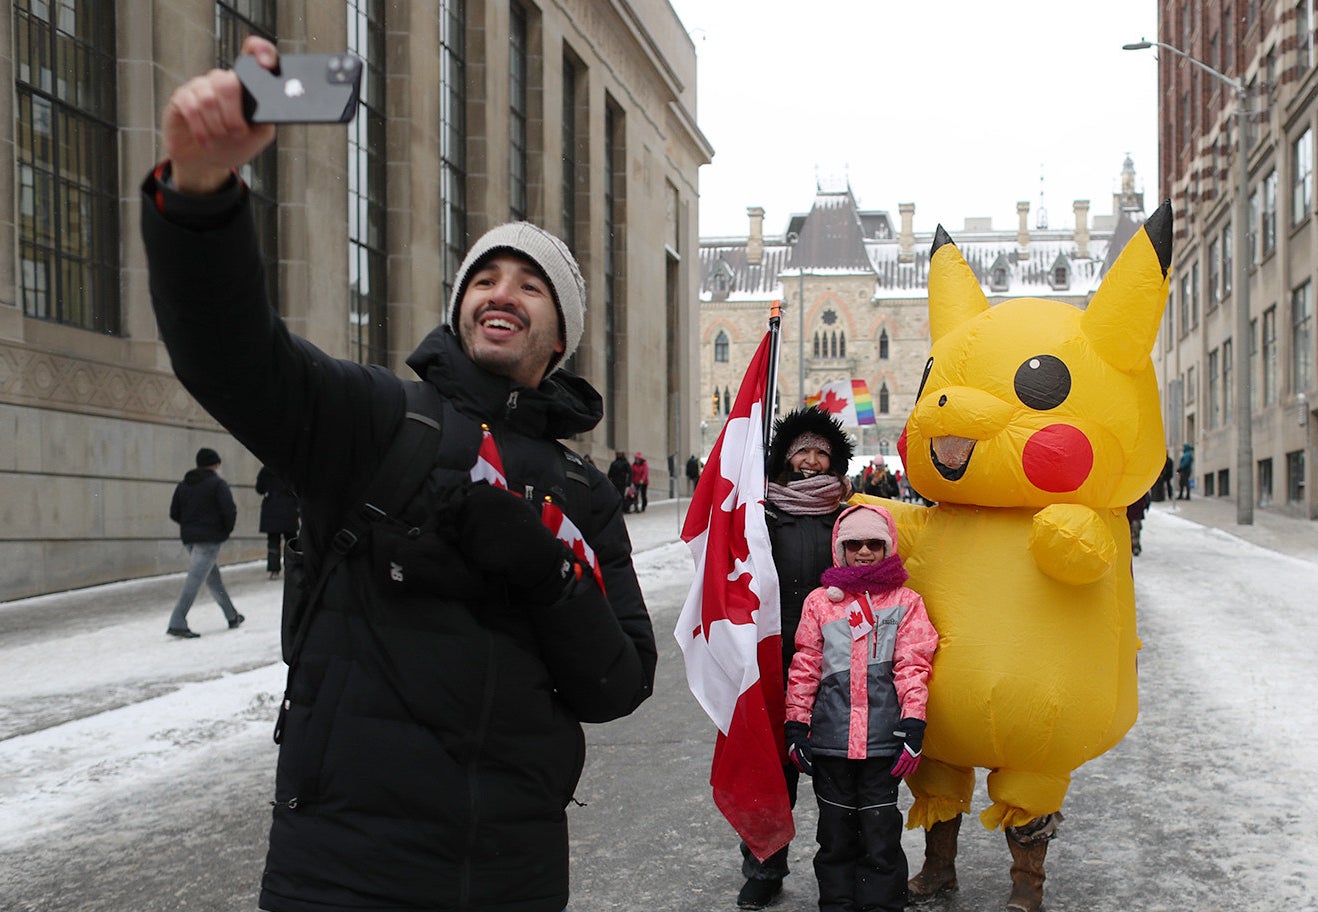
<point x="1185" y="305"/>
<point x="815" y="350"/>
<point x="234" y="21"/>
<point x="883" y="345"/>
<point x="721" y="347"/>
<point x="1255" y="388"/>
<point x="1214" y="284"/>
<point x="1194" y="294"/>
<point x="883" y="399"/>
<point x="1295" y="477"/>
<point x="1214" y="390"/>
<point x="517" y="112"/>
<point x="368" y="304"/>
<point x="1302" y="337"/>
<point x="67" y="163"/>
<point x="1268" y="226"/>
<point x="1269" y="343"/>
<point x="568" y="225"/>
<point x="1228" y="377"/>
<point x="1253" y="237"/>
<point x="1228" y="266"/>
<point x="1303" y="36"/>
<point x="452" y="139"/>
<point x="614" y="328"/>
<point x="1302" y="168"/>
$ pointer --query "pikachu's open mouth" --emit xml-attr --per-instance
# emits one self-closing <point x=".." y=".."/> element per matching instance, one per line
<point x="951" y="455"/>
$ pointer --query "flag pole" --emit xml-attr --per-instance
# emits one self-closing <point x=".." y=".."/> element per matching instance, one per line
<point x="771" y="382"/>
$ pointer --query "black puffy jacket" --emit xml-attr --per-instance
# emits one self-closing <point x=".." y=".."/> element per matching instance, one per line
<point x="203" y="507"/>
<point x="802" y="551"/>
<point x="432" y="743"/>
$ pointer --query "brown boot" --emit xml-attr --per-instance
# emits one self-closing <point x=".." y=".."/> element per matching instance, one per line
<point x="939" y="872"/>
<point x="1029" y="846"/>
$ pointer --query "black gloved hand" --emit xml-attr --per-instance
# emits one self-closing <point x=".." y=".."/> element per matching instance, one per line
<point x="798" y="747"/>
<point x="911" y="732"/>
<point x="501" y="534"/>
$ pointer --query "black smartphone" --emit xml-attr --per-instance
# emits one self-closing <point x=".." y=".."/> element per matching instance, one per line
<point x="307" y="88"/>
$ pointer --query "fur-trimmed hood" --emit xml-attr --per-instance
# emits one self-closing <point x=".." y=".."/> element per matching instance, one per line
<point x="813" y="421"/>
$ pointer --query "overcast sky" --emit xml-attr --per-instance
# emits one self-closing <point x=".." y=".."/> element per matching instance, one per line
<point x="959" y="107"/>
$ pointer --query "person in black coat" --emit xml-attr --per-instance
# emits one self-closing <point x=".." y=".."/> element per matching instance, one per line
<point x="807" y="470"/>
<point x="278" y="516"/>
<point x="432" y="738"/>
<point x="203" y="507"/>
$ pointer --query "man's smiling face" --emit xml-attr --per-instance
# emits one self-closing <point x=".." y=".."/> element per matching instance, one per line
<point x="507" y="320"/>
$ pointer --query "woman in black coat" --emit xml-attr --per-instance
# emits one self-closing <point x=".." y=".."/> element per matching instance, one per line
<point x="808" y="487"/>
<point x="279" y="519"/>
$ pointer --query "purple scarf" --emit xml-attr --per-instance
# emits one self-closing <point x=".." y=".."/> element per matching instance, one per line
<point x="888" y="573"/>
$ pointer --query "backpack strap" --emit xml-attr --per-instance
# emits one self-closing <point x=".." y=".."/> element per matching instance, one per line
<point x="403" y="470"/>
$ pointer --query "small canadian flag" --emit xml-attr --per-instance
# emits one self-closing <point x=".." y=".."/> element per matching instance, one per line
<point x="489" y="468"/>
<point x="489" y="465"/>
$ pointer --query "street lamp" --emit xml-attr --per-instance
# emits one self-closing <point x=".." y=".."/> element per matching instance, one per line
<point x="1244" y="404"/>
<point x="793" y="238"/>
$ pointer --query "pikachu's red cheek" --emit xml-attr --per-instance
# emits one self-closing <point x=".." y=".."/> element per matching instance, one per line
<point x="1058" y="458"/>
<point x="901" y="447"/>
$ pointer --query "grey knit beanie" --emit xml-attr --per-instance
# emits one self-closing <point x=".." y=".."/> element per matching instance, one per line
<point x="553" y="259"/>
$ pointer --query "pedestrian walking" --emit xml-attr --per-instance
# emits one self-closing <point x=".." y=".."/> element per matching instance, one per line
<point x="859" y="739"/>
<point x="693" y="470"/>
<point x="1185" y="472"/>
<point x="278" y="516"/>
<point x="808" y="459"/>
<point x="430" y="739"/>
<point x="620" y="475"/>
<point x="1135" y="518"/>
<point x="641" y="479"/>
<point x="203" y="507"/>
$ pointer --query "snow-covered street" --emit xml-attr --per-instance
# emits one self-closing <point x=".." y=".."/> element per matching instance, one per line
<point x="135" y="769"/>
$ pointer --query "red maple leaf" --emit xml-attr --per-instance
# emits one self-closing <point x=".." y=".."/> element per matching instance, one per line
<point x="855" y="619"/>
<point x="832" y="403"/>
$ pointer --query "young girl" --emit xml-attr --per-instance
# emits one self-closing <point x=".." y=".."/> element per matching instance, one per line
<point x="856" y="697"/>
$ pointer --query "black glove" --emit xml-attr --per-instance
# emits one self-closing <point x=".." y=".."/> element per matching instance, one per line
<point x="911" y="732"/>
<point x="502" y="535"/>
<point x="798" y="747"/>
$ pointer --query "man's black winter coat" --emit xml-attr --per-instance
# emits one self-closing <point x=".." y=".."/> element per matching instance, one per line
<point x="203" y="507"/>
<point x="433" y="741"/>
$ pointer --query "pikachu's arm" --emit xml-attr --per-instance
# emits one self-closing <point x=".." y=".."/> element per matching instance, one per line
<point x="1072" y="544"/>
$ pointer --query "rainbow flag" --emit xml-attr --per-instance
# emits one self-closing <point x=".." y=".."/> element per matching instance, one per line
<point x="849" y="400"/>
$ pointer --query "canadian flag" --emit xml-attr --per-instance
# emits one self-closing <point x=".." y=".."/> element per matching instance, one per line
<point x="730" y="629"/>
<point x="489" y="465"/>
<point x="489" y="468"/>
<point x="566" y="531"/>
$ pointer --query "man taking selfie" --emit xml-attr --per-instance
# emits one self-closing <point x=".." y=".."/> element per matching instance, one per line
<point x="431" y="738"/>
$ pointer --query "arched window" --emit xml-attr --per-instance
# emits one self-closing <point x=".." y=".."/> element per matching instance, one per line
<point x="816" y="345"/>
<point x="718" y="401"/>
<point x="883" y="345"/>
<point x="727" y="401"/>
<point x="721" y="347"/>
<point x="842" y="344"/>
<point x="832" y="345"/>
<point x="883" y="399"/>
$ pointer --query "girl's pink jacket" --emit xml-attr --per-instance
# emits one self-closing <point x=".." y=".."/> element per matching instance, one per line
<point x="850" y="690"/>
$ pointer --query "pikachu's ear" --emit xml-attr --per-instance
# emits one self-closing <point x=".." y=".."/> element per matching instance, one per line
<point x="1122" y="320"/>
<point x="954" y="292"/>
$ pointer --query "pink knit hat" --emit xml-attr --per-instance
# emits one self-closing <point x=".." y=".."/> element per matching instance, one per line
<point x="861" y="522"/>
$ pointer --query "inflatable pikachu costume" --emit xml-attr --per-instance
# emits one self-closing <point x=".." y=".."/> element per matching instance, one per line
<point x="1036" y="424"/>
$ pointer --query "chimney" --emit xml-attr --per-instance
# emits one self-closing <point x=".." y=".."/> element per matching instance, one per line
<point x="1023" y="232"/>
<point x="906" y="246"/>
<point x="1081" y="229"/>
<point x="755" y="241"/>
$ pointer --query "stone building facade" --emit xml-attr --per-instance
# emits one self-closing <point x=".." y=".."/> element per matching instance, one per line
<point x="855" y="299"/>
<point x="577" y="115"/>
<point x="1269" y="48"/>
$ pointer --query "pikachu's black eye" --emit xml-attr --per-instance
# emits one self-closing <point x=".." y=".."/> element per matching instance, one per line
<point x="928" y="366"/>
<point x="1043" y="382"/>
